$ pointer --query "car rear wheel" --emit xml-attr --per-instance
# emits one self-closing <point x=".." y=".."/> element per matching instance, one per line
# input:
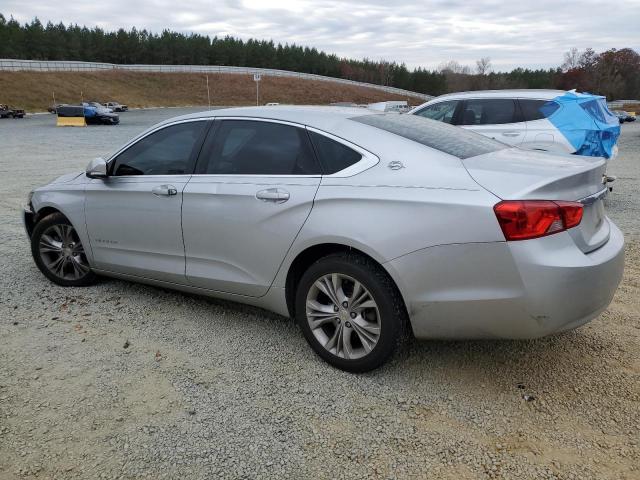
<point x="350" y="312"/>
<point x="59" y="253"/>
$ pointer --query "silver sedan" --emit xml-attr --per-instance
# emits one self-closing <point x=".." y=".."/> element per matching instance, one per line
<point x="365" y="227"/>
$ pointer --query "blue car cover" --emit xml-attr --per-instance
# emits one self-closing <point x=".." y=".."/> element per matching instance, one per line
<point x="586" y="122"/>
<point x="89" y="111"/>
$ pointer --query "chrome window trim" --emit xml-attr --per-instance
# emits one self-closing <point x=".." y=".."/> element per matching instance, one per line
<point x="239" y="175"/>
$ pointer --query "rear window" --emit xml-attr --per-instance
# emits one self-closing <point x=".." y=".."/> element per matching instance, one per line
<point x="437" y="135"/>
<point x="537" y="109"/>
<point x="598" y="109"/>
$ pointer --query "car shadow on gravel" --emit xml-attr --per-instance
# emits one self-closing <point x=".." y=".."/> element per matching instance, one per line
<point x="555" y="361"/>
<point x="553" y="358"/>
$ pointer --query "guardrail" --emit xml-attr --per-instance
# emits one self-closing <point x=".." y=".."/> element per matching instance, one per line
<point x="73" y="66"/>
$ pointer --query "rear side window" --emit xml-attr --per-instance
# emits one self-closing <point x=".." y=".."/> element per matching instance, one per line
<point x="443" y="111"/>
<point x="164" y="152"/>
<point x="247" y="147"/>
<point x="489" y="111"/>
<point x="537" y="109"/>
<point x="440" y="136"/>
<point x="333" y="156"/>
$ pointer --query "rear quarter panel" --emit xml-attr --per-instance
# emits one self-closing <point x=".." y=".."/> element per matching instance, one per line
<point x="388" y="213"/>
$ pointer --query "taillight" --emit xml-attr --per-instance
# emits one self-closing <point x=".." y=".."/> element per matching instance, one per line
<point x="525" y="219"/>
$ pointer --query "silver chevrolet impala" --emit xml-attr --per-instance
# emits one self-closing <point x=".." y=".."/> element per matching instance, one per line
<point x="364" y="227"/>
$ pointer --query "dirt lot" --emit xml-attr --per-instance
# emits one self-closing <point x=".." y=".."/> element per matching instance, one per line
<point x="129" y="381"/>
<point x="33" y="90"/>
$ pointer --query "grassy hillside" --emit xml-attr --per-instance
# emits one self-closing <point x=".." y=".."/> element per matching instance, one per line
<point x="33" y="90"/>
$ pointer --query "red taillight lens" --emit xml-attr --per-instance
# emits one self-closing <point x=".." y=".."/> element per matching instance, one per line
<point x="525" y="219"/>
<point x="571" y="213"/>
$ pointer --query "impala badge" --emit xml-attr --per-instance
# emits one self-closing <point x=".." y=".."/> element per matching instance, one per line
<point x="395" y="165"/>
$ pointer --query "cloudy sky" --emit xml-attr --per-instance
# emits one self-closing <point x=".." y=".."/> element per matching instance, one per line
<point x="419" y="33"/>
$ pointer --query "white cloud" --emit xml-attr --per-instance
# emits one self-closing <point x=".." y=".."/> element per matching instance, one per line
<point x="419" y="33"/>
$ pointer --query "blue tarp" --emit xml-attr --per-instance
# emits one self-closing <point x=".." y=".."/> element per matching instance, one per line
<point x="90" y="111"/>
<point x="587" y="123"/>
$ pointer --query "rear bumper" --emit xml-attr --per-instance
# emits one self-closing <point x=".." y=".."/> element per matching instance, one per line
<point x="515" y="290"/>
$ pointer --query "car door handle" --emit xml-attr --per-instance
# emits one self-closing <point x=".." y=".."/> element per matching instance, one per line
<point x="164" y="190"/>
<point x="275" y="195"/>
<point x="510" y="134"/>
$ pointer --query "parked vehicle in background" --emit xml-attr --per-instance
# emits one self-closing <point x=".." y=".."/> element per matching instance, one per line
<point x="92" y="115"/>
<point x="548" y="120"/>
<point x="116" y="107"/>
<point x="399" y="106"/>
<point x="11" y="112"/>
<point x="54" y="108"/>
<point x="620" y="115"/>
<point x="99" y="106"/>
<point x="96" y="113"/>
<point x="624" y="116"/>
<point x="311" y="212"/>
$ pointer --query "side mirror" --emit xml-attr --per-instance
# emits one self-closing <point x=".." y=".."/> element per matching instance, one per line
<point x="97" y="168"/>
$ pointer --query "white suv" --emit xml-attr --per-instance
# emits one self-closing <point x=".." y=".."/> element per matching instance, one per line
<point x="522" y="118"/>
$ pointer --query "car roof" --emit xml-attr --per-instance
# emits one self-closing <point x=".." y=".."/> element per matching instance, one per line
<point x="517" y="93"/>
<point x="321" y="117"/>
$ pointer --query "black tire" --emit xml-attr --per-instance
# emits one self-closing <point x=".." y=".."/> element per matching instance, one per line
<point x="392" y="319"/>
<point x="64" y="279"/>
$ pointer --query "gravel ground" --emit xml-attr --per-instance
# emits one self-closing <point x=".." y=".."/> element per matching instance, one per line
<point x="128" y="381"/>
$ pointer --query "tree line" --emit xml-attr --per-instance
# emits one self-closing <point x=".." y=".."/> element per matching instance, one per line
<point x="614" y="73"/>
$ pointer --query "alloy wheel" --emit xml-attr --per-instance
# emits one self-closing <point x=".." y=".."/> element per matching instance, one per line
<point x="343" y="316"/>
<point x="62" y="252"/>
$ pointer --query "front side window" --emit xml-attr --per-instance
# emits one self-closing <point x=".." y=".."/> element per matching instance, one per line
<point x="489" y="111"/>
<point x="249" y="147"/>
<point x="164" y="152"/>
<point x="333" y="156"/>
<point x="537" y="109"/>
<point x="443" y="111"/>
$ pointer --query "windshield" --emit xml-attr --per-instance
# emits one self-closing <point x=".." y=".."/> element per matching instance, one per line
<point x="440" y="136"/>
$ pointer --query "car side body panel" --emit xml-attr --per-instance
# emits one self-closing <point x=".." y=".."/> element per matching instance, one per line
<point x="134" y="231"/>
<point x="543" y="135"/>
<point x="66" y="195"/>
<point x="234" y="241"/>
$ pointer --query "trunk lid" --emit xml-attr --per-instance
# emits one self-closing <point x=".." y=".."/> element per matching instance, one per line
<point x="514" y="174"/>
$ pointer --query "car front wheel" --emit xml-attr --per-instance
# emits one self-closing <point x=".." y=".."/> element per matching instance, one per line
<point x="59" y="253"/>
<point x="350" y="312"/>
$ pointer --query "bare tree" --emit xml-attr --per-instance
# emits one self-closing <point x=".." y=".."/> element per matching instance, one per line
<point x="588" y="60"/>
<point x="571" y="59"/>
<point x="452" y="66"/>
<point x="483" y="66"/>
